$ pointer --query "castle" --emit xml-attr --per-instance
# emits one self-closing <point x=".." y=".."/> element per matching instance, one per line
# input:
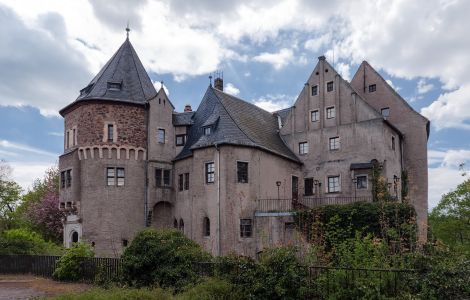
<point x="230" y="174"/>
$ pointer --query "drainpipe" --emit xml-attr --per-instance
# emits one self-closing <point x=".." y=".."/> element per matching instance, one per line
<point x="146" y="159"/>
<point x="218" y="199"/>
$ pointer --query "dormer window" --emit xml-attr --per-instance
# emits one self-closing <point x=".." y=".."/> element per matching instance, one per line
<point x="86" y="89"/>
<point x="207" y="130"/>
<point x="114" y="86"/>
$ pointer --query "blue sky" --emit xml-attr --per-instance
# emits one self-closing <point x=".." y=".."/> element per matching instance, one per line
<point x="266" y="50"/>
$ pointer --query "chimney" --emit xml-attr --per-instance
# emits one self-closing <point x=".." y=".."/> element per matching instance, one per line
<point x="219" y="84"/>
<point x="187" y="108"/>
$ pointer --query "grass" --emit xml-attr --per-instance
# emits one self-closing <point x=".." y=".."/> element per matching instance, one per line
<point x="118" y="294"/>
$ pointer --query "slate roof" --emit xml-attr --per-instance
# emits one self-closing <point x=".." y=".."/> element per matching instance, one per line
<point x="183" y="119"/>
<point x="235" y="122"/>
<point x="123" y="68"/>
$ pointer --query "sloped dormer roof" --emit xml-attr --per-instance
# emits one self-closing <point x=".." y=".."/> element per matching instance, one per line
<point x="238" y="123"/>
<point x="123" y="78"/>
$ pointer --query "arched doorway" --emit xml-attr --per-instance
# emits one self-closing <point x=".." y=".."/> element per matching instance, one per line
<point x="74" y="238"/>
<point x="162" y="215"/>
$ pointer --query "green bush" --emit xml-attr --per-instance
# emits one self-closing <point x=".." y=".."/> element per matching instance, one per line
<point x="212" y="289"/>
<point x="163" y="258"/>
<point x="70" y="265"/>
<point x="25" y="242"/>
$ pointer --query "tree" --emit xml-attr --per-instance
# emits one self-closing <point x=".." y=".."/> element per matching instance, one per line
<point x="10" y="193"/>
<point x="450" y="219"/>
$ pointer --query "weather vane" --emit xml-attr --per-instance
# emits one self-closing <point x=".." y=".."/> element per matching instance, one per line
<point x="128" y="29"/>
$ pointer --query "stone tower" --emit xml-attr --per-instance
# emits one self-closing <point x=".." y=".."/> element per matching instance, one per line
<point x="105" y="155"/>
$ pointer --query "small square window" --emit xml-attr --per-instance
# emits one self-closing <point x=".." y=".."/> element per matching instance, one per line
<point x="334" y="184"/>
<point x="334" y="143"/>
<point x="111" y="176"/>
<point x="303" y="148"/>
<point x="329" y="86"/>
<point x="314" y="90"/>
<point x="242" y="172"/>
<point x="385" y="112"/>
<point x="180" y="139"/>
<point x="245" y="228"/>
<point x="315" y="116"/>
<point x="372" y="88"/>
<point x="330" y="112"/>
<point x="161" y="136"/>
<point x="207" y="130"/>
<point x="120" y="176"/>
<point x="210" y="172"/>
<point x="361" y="182"/>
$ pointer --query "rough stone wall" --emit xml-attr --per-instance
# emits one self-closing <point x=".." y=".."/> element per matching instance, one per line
<point x="414" y="128"/>
<point x="90" y="119"/>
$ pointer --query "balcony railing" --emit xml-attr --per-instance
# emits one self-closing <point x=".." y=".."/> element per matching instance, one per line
<point x="287" y="205"/>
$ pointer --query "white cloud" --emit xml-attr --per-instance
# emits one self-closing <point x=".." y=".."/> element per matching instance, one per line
<point x="20" y="147"/>
<point x="26" y="173"/>
<point x="278" y="60"/>
<point x="343" y="70"/>
<point x="423" y="87"/>
<point x="231" y="89"/>
<point x="316" y="44"/>
<point x="273" y="103"/>
<point x="390" y="83"/>
<point x="158" y="86"/>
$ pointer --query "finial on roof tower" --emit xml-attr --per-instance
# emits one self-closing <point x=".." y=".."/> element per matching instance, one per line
<point x="128" y="29"/>
<point x="210" y="80"/>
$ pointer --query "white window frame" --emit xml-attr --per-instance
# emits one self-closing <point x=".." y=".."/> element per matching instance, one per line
<point x="159" y="140"/>
<point x="303" y="148"/>
<point x="328" y="184"/>
<point x="337" y="145"/>
<point x="328" y="116"/>
<point x="357" y="181"/>
<point x="317" y="113"/>
<point x="207" y="178"/>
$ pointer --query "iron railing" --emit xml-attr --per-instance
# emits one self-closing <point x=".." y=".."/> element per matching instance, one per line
<point x="287" y="205"/>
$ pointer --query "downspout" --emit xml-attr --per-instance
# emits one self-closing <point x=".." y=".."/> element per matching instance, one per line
<point x="146" y="208"/>
<point x="218" y="200"/>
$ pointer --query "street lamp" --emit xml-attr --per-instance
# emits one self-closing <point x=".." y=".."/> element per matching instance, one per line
<point x="278" y="184"/>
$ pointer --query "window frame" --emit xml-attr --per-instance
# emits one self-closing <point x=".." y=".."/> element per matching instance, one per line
<point x="161" y="140"/>
<point x="311" y="190"/>
<point x="158" y="177"/>
<point x="314" y="90"/>
<point x="209" y="172"/>
<point x="385" y="109"/>
<point x="336" y="143"/>
<point x="315" y="112"/>
<point x="110" y="176"/>
<point x="372" y="88"/>
<point x="186" y="181"/>
<point x="62" y="179"/>
<point x="166" y="177"/>
<point x="183" y="137"/>
<point x="393" y="143"/>
<point x="180" y="182"/>
<point x="303" y="148"/>
<point x="336" y="188"/>
<point x="366" y="182"/>
<point x="68" y="178"/>
<point x="110" y="133"/>
<point x="206" y="227"/>
<point x="246" y="230"/>
<point x="332" y="86"/>
<point x="242" y="175"/>
<point x="207" y="130"/>
<point x="330" y="112"/>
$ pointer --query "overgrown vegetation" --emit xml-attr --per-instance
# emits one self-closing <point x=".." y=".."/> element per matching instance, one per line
<point x="70" y="265"/>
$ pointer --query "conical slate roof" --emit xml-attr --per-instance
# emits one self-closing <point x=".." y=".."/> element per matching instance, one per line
<point x="123" y="78"/>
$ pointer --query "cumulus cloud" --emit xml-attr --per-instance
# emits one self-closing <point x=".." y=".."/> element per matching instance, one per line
<point x="316" y="44"/>
<point x="231" y="89"/>
<point x="278" y="60"/>
<point x="158" y="85"/>
<point x="117" y="13"/>
<point x="273" y="102"/>
<point x="423" y="87"/>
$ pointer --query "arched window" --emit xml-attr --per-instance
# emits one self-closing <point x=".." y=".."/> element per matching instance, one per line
<point x="75" y="237"/>
<point x="182" y="225"/>
<point x="206" y="227"/>
<point x="175" y="223"/>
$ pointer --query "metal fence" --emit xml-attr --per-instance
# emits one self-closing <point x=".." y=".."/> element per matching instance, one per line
<point x="288" y="205"/>
<point x="92" y="268"/>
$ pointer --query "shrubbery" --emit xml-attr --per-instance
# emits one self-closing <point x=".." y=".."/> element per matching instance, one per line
<point x="162" y="258"/>
<point x="25" y="242"/>
<point x="70" y="265"/>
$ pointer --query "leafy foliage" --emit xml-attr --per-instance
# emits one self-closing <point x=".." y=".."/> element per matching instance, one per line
<point x="24" y="242"/>
<point x="450" y="219"/>
<point x="70" y="265"/>
<point x="10" y="193"/>
<point x="162" y="258"/>
<point x="212" y="289"/>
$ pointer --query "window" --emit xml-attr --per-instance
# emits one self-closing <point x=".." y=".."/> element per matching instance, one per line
<point x="393" y="143"/>
<point x="115" y="176"/>
<point x="334" y="185"/>
<point x="330" y="112"/>
<point x="361" y="182"/>
<point x="68" y="178"/>
<point x="175" y="224"/>
<point x="334" y="143"/>
<point x="161" y="136"/>
<point x="68" y="139"/>
<point x="385" y="112"/>
<point x="110" y="133"/>
<point x="329" y="86"/>
<point x="162" y="177"/>
<point x="242" y="172"/>
<point x="180" y="182"/>
<point x="372" y="88"/>
<point x="210" y="171"/>
<point x="207" y="130"/>
<point x="245" y="228"/>
<point x="315" y="115"/>
<point x="308" y="186"/>
<point x="166" y="177"/>
<point x="206" y="227"/>
<point x="75" y="237"/>
<point x="115" y="86"/>
<point x="74" y="136"/>
<point x="180" y="139"/>
<point x="125" y="242"/>
<point x="314" y="90"/>
<point x="181" y="227"/>
<point x="62" y="179"/>
<point x="303" y="148"/>
<point x="186" y="181"/>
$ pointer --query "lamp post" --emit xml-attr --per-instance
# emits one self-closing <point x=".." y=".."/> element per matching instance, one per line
<point x="354" y="180"/>
<point x="278" y="184"/>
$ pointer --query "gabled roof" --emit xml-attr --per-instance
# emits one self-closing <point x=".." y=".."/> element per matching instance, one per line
<point x="183" y="119"/>
<point x="123" y="70"/>
<point x="238" y="123"/>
